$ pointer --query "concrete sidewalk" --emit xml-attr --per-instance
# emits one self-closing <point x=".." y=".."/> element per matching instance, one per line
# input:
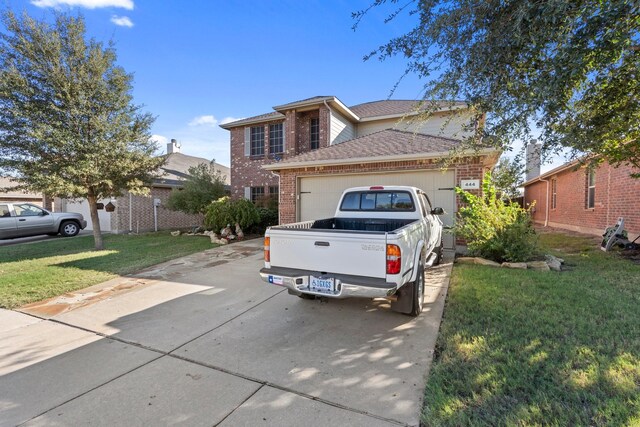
<point x="201" y="340"/>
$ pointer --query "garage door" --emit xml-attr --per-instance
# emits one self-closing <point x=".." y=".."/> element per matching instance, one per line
<point x="82" y="207"/>
<point x="319" y="195"/>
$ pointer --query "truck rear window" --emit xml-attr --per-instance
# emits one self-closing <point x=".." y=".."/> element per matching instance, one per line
<point x="377" y="201"/>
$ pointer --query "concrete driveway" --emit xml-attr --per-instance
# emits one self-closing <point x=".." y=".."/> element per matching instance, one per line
<point x="202" y="341"/>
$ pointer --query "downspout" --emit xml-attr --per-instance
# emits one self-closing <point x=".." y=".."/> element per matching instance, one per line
<point x="130" y="213"/>
<point x="329" y="127"/>
<point x="546" y="214"/>
<point x="279" y="192"/>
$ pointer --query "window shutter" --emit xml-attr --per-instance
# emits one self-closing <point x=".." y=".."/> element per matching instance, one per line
<point x="284" y="137"/>
<point x="247" y="193"/>
<point x="247" y="141"/>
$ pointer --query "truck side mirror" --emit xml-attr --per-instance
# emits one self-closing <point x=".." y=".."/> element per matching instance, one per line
<point x="437" y="211"/>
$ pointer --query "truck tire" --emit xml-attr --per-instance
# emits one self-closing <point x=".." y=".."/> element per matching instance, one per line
<point x="417" y="293"/>
<point x="439" y="254"/>
<point x="69" y="228"/>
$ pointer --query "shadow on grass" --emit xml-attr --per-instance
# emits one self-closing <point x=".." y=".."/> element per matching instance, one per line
<point x="539" y="348"/>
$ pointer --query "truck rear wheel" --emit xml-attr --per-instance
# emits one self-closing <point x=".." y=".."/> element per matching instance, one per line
<point x="418" y="293"/>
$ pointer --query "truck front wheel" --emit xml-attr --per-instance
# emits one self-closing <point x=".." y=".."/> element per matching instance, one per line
<point x="69" y="229"/>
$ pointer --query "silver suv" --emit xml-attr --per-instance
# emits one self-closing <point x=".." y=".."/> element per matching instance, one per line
<point x="24" y="219"/>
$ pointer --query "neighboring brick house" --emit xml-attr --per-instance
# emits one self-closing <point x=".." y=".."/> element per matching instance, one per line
<point x="136" y="213"/>
<point x="309" y="151"/>
<point x="575" y="197"/>
<point x="17" y="195"/>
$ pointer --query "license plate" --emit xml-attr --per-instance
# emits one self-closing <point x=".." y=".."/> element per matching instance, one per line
<point x="321" y="284"/>
<point x="276" y="280"/>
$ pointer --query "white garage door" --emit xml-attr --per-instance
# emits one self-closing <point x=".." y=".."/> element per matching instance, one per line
<point x="82" y="206"/>
<point x="319" y="195"/>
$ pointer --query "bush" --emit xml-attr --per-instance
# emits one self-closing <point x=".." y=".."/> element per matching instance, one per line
<point x="268" y="217"/>
<point x="203" y="185"/>
<point x="226" y="211"/>
<point x="495" y="229"/>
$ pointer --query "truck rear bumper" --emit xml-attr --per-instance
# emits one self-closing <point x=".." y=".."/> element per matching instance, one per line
<point x="345" y="286"/>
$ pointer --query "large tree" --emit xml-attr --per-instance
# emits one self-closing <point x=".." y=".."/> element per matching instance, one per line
<point x="570" y="69"/>
<point x="68" y="126"/>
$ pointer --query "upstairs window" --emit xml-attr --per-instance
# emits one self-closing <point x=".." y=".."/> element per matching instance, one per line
<point x="314" y="135"/>
<point x="591" y="189"/>
<point x="276" y="138"/>
<point x="257" y="140"/>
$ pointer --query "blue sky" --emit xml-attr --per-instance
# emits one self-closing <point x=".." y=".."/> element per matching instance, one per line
<point x="198" y="63"/>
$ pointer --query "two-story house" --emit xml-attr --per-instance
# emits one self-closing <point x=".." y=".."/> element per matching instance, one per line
<point x="307" y="152"/>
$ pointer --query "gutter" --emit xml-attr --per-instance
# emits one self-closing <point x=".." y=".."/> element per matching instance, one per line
<point x="378" y="159"/>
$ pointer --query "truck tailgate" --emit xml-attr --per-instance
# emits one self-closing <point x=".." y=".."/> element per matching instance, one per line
<point x="359" y="254"/>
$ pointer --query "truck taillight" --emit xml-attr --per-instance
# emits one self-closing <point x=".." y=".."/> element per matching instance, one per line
<point x="267" y="249"/>
<point x="394" y="259"/>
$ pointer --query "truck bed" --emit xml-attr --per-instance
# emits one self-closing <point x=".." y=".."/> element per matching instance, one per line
<point x="361" y="224"/>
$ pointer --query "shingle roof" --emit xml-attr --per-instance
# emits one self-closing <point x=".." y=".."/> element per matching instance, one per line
<point x="383" y="143"/>
<point x="175" y="170"/>
<point x="262" y="117"/>
<point x="312" y="99"/>
<point x="8" y="182"/>
<point x="392" y="107"/>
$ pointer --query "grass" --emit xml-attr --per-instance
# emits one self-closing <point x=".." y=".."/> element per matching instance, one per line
<point x="540" y="348"/>
<point x="36" y="271"/>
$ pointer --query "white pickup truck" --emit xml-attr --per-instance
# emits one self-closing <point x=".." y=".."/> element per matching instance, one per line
<point x="379" y="244"/>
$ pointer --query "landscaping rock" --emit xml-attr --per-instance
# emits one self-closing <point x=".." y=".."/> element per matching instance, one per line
<point x="466" y="260"/>
<point x="518" y="265"/>
<point x="175" y="233"/>
<point x="554" y="263"/>
<point x="538" y="265"/>
<point x="487" y="262"/>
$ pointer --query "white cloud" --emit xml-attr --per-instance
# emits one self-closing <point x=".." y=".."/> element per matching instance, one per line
<point x="122" y="21"/>
<point x="89" y="4"/>
<point x="204" y="121"/>
<point x="229" y="120"/>
<point x="160" y="140"/>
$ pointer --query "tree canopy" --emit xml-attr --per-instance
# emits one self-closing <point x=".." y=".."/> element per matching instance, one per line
<point x="68" y="126"/>
<point x="563" y="71"/>
<point x="507" y="177"/>
<point x="203" y="186"/>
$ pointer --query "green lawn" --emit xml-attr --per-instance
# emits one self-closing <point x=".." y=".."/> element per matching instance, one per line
<point x="36" y="271"/>
<point x="540" y="348"/>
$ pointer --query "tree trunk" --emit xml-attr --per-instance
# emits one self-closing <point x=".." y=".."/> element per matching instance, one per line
<point x="93" y="208"/>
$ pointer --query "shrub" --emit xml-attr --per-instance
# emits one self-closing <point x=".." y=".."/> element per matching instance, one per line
<point x="227" y="211"/>
<point x="268" y="217"/>
<point x="203" y="185"/>
<point x="493" y="228"/>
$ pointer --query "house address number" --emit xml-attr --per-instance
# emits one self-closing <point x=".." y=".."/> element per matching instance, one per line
<point x="470" y="184"/>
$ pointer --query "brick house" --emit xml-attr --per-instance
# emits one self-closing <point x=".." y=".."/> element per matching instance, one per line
<point x="577" y="198"/>
<point x="7" y="195"/>
<point x="135" y="213"/>
<point x="307" y="152"/>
